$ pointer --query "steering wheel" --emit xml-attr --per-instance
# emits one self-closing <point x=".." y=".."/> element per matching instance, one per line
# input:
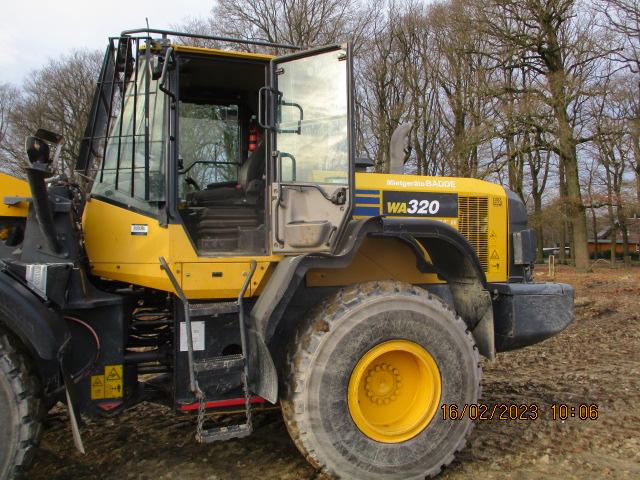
<point x="192" y="182"/>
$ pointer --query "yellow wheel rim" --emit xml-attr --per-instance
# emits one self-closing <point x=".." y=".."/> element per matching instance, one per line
<point x="394" y="391"/>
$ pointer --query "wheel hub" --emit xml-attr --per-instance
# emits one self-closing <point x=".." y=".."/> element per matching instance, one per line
<point x="383" y="384"/>
<point x="394" y="391"/>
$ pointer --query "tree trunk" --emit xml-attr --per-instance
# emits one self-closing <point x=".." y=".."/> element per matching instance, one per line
<point x="563" y="231"/>
<point x="612" y="219"/>
<point x="622" y="223"/>
<point x="575" y="210"/>
<point x="614" y="245"/>
<point x="594" y="224"/>
<point x="537" y="211"/>
<point x="635" y="142"/>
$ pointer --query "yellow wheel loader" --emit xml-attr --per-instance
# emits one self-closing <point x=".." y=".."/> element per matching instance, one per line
<point x="232" y="251"/>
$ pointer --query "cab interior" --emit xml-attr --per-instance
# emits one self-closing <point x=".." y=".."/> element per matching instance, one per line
<point x="221" y="152"/>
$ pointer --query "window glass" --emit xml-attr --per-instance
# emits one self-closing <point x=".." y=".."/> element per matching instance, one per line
<point x="122" y="176"/>
<point x="312" y="121"/>
<point x="209" y="147"/>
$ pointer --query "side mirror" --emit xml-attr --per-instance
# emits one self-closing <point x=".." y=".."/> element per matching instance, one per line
<point x="37" y="150"/>
<point x="157" y="64"/>
<point x="37" y="146"/>
<point x="362" y="163"/>
<point x="400" y="148"/>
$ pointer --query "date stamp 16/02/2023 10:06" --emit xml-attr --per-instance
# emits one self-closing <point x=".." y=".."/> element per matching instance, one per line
<point x="518" y="411"/>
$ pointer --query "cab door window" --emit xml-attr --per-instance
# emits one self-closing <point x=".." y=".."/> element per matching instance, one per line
<point x="312" y="119"/>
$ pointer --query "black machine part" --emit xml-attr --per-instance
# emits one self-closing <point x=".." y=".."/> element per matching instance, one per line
<point x="42" y="331"/>
<point x="522" y="242"/>
<point x="38" y="153"/>
<point x="527" y="313"/>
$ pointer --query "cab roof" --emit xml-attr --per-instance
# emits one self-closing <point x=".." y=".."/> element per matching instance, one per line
<point x="220" y="53"/>
<point x="211" y="51"/>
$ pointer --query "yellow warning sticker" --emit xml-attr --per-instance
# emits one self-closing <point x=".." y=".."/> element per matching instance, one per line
<point x="494" y="255"/>
<point x="113" y="381"/>
<point x="97" y="387"/>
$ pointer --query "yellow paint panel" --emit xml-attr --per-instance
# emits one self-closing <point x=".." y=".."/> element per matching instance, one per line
<point x="377" y="259"/>
<point x="116" y="254"/>
<point x="13" y="187"/>
<point x="497" y="234"/>
<point x="199" y="280"/>
<point x="416" y="183"/>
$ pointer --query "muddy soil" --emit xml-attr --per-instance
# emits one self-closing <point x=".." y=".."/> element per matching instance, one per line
<point x="595" y="361"/>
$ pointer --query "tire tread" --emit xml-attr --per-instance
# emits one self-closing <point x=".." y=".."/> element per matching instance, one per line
<point x="17" y="367"/>
<point x="307" y="338"/>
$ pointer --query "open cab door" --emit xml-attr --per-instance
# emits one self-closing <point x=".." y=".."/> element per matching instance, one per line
<point x="311" y="174"/>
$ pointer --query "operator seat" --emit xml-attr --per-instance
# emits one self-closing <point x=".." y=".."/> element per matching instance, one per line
<point x="248" y="189"/>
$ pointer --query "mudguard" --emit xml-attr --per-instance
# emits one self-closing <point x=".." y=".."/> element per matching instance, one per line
<point x="42" y="331"/>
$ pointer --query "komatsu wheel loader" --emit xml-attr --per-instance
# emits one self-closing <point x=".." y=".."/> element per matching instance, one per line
<point x="232" y="251"/>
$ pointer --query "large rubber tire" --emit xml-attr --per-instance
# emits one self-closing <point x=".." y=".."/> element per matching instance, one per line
<point x="20" y="409"/>
<point x="324" y="351"/>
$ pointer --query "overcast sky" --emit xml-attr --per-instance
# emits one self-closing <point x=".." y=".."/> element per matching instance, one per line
<point x="31" y="31"/>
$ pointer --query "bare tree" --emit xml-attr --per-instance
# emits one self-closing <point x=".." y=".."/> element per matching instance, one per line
<point x="624" y="18"/>
<point x="9" y="96"/>
<point x="563" y="45"/>
<point x="298" y="22"/>
<point x="56" y="97"/>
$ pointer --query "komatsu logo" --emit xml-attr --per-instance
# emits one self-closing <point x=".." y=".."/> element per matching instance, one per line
<point x="420" y="204"/>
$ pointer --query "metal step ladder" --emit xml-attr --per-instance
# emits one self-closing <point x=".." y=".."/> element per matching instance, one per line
<point x="220" y="365"/>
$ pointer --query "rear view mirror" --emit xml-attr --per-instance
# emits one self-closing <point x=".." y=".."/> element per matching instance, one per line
<point x="362" y="163"/>
<point x="157" y="63"/>
<point x="37" y="146"/>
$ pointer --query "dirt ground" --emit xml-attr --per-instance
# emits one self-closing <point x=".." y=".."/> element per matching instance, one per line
<point x="595" y="361"/>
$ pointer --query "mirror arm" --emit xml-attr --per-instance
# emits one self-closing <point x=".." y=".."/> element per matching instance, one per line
<point x="163" y="76"/>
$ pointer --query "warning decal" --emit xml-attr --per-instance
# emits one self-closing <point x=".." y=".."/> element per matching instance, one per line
<point x="494" y="255"/>
<point x="97" y="387"/>
<point x="113" y="381"/>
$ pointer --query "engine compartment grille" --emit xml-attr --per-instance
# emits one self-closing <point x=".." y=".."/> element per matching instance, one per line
<point x="473" y="223"/>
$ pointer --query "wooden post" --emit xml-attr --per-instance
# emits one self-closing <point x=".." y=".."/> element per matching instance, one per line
<point x="552" y="266"/>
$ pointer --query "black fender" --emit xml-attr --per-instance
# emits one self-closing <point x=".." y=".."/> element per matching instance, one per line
<point x="451" y="254"/>
<point x="43" y="332"/>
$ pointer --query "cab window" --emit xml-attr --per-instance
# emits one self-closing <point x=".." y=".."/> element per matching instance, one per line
<point x="132" y="171"/>
<point x="209" y="145"/>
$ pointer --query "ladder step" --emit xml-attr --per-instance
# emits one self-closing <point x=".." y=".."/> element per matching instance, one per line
<point x="220" y="434"/>
<point x="224" y="364"/>
<point x="210" y="309"/>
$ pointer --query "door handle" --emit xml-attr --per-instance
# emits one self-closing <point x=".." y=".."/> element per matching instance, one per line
<point x="264" y="97"/>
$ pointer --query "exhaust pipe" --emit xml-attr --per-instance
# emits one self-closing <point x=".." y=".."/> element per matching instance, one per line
<point x="38" y="152"/>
